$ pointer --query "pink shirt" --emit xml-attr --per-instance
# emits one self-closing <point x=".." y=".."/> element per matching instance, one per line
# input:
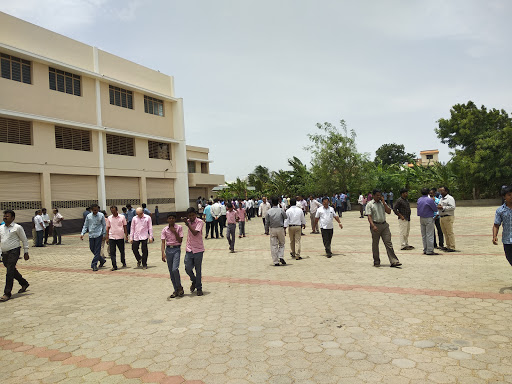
<point x="195" y="243"/>
<point x="241" y="213"/>
<point x="142" y="228"/>
<point x="169" y="237"/>
<point x="115" y="227"/>
<point x="231" y="216"/>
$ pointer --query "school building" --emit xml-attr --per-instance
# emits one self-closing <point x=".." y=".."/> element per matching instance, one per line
<point x="79" y="126"/>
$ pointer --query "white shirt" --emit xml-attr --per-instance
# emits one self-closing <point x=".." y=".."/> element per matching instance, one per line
<point x="38" y="222"/>
<point x="448" y="204"/>
<point x="10" y="237"/>
<point x="249" y="204"/>
<point x="304" y="205"/>
<point x="215" y="210"/>
<point x="326" y="216"/>
<point x="360" y="200"/>
<point x="314" y="205"/>
<point x="294" y="216"/>
<point x="56" y="217"/>
<point x="263" y="209"/>
<point x="46" y="219"/>
<point x="223" y="210"/>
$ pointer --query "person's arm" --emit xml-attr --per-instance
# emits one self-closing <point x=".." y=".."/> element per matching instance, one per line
<point x="23" y="237"/>
<point x="495" y="230"/>
<point x="450" y="204"/>
<point x="337" y="218"/>
<point x="267" y="224"/>
<point x="132" y="229"/>
<point x="150" y="230"/>
<point x="163" y="250"/>
<point x="386" y="208"/>
<point x="192" y="230"/>
<point x="85" y="227"/>
<point x="397" y="212"/>
<point x="108" y="229"/>
<point x="317" y="217"/>
<point x="303" y="221"/>
<point x="370" y="218"/>
<point x="177" y="234"/>
<point x="259" y="210"/>
<point x="103" y="228"/>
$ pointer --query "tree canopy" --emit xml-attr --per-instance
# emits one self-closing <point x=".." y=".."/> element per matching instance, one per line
<point x="389" y="154"/>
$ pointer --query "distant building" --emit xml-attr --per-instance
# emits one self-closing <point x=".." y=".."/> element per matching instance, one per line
<point x="427" y="158"/>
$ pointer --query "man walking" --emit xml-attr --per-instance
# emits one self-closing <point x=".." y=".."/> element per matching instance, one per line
<point x="216" y="211"/>
<point x="96" y="226"/>
<point x="116" y="236"/>
<point x="157" y="216"/>
<point x="503" y="217"/>
<point x="11" y="234"/>
<point x="57" y="227"/>
<point x="46" y="222"/>
<point x="324" y="217"/>
<point x="403" y="211"/>
<point x="263" y="210"/>
<point x="39" y="226"/>
<point x="195" y="250"/>
<point x="391" y="196"/>
<point x="295" y="222"/>
<point x="172" y="237"/>
<point x="130" y="214"/>
<point x="209" y="219"/>
<point x="446" y="212"/>
<point x="222" y="218"/>
<point x="376" y="211"/>
<point x="274" y="226"/>
<point x="232" y="218"/>
<point x="426" y="211"/>
<point x="140" y="233"/>
<point x="314" y="204"/>
<point x="433" y="195"/>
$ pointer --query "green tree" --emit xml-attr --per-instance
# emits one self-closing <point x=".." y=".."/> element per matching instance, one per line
<point x="336" y="163"/>
<point x="482" y="142"/>
<point x="259" y="178"/>
<point x="389" y="154"/>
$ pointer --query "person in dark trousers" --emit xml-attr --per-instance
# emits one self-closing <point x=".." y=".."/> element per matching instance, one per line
<point x="403" y="210"/>
<point x="157" y="213"/>
<point x="426" y="210"/>
<point x="195" y="250"/>
<point x="46" y="222"/>
<point x="503" y="218"/>
<point x="57" y="227"/>
<point x="11" y="234"/>
<point x="96" y="226"/>
<point x="324" y="217"/>
<point x="437" y="221"/>
<point x="172" y="237"/>
<point x="116" y="236"/>
<point x="39" y="226"/>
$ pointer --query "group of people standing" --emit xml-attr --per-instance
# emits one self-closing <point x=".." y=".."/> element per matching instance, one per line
<point x="42" y="226"/>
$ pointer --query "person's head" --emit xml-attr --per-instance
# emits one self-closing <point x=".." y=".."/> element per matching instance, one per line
<point x="377" y="194"/>
<point x="444" y="191"/>
<point x="9" y="216"/>
<point x="432" y="192"/>
<point x="274" y="201"/>
<point x="264" y="199"/>
<point x="124" y="210"/>
<point x="95" y="208"/>
<point x="113" y="209"/>
<point x="44" y="211"/>
<point x="55" y="211"/>
<point x="424" y="191"/>
<point x="143" y="205"/>
<point x="506" y="192"/>
<point x="325" y="202"/>
<point x="229" y="206"/>
<point x="293" y="201"/>
<point x="88" y="209"/>
<point x="210" y="202"/>
<point x="215" y="200"/>
<point x="171" y="218"/>
<point x="139" y="211"/>
<point x="404" y="192"/>
<point x="156" y="207"/>
<point x="191" y="214"/>
<point x="128" y="206"/>
<point x="360" y="192"/>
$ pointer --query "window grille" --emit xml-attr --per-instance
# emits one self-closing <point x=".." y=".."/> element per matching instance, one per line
<point x="121" y="97"/>
<point x="120" y="145"/>
<point x="191" y="167"/>
<point x="153" y="106"/>
<point x="74" y="139"/>
<point x="15" y="131"/>
<point x="64" y="82"/>
<point x="14" y="68"/>
<point x="159" y="150"/>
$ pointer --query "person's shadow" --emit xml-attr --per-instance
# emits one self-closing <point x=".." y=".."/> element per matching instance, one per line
<point x="502" y="290"/>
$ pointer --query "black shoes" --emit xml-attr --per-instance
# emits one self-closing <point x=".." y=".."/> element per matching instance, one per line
<point x="282" y="261"/>
<point x="376" y="265"/>
<point x="192" y="287"/>
<point x="329" y="254"/>
<point x="23" y="288"/>
<point x="432" y="254"/>
<point x="114" y="269"/>
<point x="199" y="292"/>
<point x="95" y="269"/>
<point x="139" y="263"/>
<point x="124" y="265"/>
<point x="396" y="265"/>
<point x="181" y="292"/>
<point x="173" y="295"/>
<point x="102" y="263"/>
<point x="450" y="250"/>
<point x="277" y="265"/>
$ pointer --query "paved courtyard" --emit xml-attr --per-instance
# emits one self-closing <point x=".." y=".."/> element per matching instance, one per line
<point x="439" y="319"/>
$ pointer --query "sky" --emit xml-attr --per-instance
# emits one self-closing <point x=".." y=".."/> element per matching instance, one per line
<point x="256" y="76"/>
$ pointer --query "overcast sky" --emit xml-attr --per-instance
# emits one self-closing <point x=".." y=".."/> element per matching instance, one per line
<point x="256" y="76"/>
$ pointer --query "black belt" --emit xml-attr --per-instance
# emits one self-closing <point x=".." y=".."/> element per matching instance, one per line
<point x="295" y="225"/>
<point x="376" y="222"/>
<point x="444" y="215"/>
<point x="173" y="246"/>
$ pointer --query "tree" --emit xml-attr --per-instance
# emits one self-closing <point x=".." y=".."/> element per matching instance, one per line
<point x="259" y="178"/>
<point x="389" y="154"/>
<point x="482" y="142"/>
<point x="336" y="164"/>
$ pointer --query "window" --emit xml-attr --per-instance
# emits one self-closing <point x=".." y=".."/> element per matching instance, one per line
<point x="64" y="82"/>
<point x="120" y="145"/>
<point x="70" y="138"/>
<point x="159" y="150"/>
<point x="153" y="106"/>
<point x="121" y="97"/>
<point x="14" y="68"/>
<point x="430" y="157"/>
<point x="204" y="167"/>
<point x="15" y="131"/>
<point x="191" y="167"/>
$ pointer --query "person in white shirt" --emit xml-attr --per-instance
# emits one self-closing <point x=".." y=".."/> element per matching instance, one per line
<point x="57" y="227"/>
<point x="295" y="221"/>
<point x="446" y="212"/>
<point x="314" y="204"/>
<point x="216" y="210"/>
<point x="223" y="217"/>
<point x="324" y="215"/>
<point x="263" y="209"/>
<point x="46" y="222"/>
<point x="360" y="201"/>
<point x="11" y="234"/>
<point x="248" y="208"/>
<point x="39" y="226"/>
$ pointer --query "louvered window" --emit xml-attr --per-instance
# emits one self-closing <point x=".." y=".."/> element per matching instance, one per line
<point x="75" y="139"/>
<point x="120" y="145"/>
<point x="120" y="97"/>
<point x="153" y="106"/>
<point x="159" y="150"/>
<point x="15" y="131"/>
<point x="204" y="167"/>
<point x="16" y="69"/>
<point x="64" y="82"/>
<point x="191" y="167"/>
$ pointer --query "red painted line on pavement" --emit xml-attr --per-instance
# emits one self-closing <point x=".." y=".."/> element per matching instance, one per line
<point x="297" y="284"/>
<point x="95" y="364"/>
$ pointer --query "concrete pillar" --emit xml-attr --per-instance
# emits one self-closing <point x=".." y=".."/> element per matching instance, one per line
<point x="142" y="190"/>
<point x="46" y="191"/>
<point x="181" y="181"/>
<point x="102" y="195"/>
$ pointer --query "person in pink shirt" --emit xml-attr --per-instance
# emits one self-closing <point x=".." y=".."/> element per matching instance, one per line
<point x="140" y="233"/>
<point x="195" y="250"/>
<point x="116" y="235"/>
<point x="232" y="219"/>
<point x="241" y="223"/>
<point x="172" y="236"/>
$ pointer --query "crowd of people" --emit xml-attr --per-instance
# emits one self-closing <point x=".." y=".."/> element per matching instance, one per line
<point x="435" y="209"/>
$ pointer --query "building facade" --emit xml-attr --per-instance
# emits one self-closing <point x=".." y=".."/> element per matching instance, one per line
<point x="79" y="125"/>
